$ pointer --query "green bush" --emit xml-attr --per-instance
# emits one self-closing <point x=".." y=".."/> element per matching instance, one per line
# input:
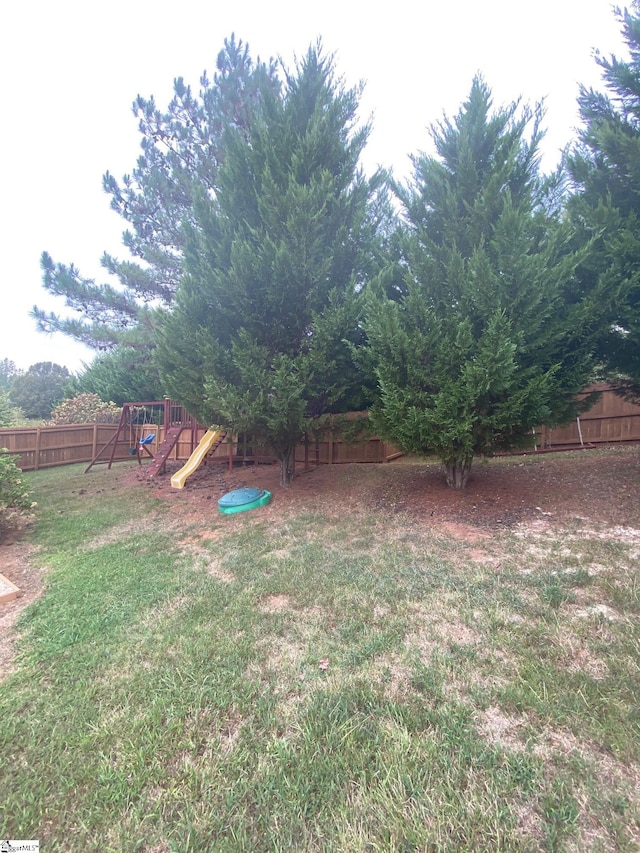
<point x="15" y="494"/>
<point x="10" y="415"/>
<point x="85" y="409"/>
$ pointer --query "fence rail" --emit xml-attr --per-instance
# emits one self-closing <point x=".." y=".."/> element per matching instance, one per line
<point x="611" y="420"/>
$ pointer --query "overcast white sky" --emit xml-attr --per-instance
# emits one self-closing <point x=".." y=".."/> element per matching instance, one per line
<point x="71" y="69"/>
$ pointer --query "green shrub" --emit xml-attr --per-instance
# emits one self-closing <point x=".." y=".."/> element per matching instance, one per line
<point x="15" y="494"/>
<point x="85" y="409"/>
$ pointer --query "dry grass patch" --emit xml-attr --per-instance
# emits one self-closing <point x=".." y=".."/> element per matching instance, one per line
<point x="274" y="603"/>
<point x="141" y="525"/>
<point x="575" y="656"/>
<point x="204" y="560"/>
<point x="464" y="532"/>
<point x="609" y="775"/>
<point x="545" y="531"/>
<point x="280" y="668"/>
<point x="211" y="535"/>
<point x="519" y="734"/>
<point x="219" y="732"/>
<point x="280" y="554"/>
<point x="591" y="835"/>
<point x="594" y="611"/>
<point x="392" y="672"/>
<point x="501" y="729"/>
<point x="434" y="629"/>
<point x="612" y="774"/>
<point x="529" y="822"/>
<point x="230" y="733"/>
<point x="283" y="656"/>
<point x="214" y="569"/>
<point x="478" y="555"/>
<point x="426" y="644"/>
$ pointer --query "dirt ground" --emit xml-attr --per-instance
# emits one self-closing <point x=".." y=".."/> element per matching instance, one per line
<point x="601" y="486"/>
<point x="596" y="487"/>
<point x="16" y="566"/>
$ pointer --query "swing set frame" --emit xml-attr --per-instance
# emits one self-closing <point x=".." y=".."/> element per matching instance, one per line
<point x="173" y="419"/>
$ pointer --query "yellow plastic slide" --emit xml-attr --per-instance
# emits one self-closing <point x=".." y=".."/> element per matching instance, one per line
<point x="195" y="460"/>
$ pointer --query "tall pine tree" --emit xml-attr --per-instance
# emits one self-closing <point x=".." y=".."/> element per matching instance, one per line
<point x="484" y="335"/>
<point x="258" y="340"/>
<point x="605" y="168"/>
<point x="182" y="150"/>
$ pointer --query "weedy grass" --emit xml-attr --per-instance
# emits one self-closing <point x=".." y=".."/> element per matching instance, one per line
<point x="306" y="681"/>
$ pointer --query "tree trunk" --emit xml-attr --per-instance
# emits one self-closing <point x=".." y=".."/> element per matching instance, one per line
<point x="287" y="467"/>
<point x="458" y="472"/>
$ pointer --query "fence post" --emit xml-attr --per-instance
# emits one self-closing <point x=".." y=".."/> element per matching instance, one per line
<point x="330" y="448"/>
<point x="36" y="458"/>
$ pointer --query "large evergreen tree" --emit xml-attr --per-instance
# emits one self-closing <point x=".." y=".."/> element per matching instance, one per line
<point x="181" y="152"/>
<point x="605" y="168"/>
<point x="258" y="338"/>
<point x="484" y="334"/>
<point x="124" y="375"/>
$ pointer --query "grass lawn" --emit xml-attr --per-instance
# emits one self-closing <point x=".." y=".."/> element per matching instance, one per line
<point x="319" y="677"/>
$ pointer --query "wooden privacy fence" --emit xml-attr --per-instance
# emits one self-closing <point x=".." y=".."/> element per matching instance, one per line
<point x="333" y="445"/>
<point x="49" y="446"/>
<point x="611" y="420"/>
<point x="46" y="447"/>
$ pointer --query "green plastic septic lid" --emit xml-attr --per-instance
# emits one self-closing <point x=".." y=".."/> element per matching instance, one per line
<point x="240" y="497"/>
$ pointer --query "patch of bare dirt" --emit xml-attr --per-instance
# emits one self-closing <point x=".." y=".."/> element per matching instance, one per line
<point x="17" y="566"/>
<point x="593" y="486"/>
